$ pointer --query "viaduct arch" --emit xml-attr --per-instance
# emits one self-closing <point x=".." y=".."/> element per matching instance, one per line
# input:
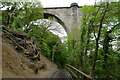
<point x="68" y="17"/>
<point x="47" y="15"/>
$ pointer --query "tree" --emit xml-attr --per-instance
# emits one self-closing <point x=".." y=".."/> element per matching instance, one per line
<point x="99" y="19"/>
<point x="94" y="52"/>
<point x="21" y="14"/>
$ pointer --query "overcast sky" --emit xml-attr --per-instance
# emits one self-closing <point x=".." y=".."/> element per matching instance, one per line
<point x="65" y="3"/>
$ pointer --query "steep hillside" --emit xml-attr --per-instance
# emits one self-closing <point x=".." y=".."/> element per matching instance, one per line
<point x="17" y="65"/>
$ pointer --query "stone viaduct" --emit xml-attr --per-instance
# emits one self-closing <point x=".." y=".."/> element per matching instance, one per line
<point x="68" y="17"/>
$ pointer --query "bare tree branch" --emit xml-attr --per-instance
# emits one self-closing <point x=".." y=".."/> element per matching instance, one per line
<point x="113" y="28"/>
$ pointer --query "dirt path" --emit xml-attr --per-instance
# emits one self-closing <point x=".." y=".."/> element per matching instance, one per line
<point x="62" y="73"/>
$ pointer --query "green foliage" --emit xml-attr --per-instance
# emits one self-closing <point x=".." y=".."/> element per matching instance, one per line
<point x="31" y="12"/>
<point x="92" y="20"/>
<point x="94" y="48"/>
<point x="61" y="55"/>
<point x="21" y="14"/>
<point x="100" y="26"/>
<point x="49" y="44"/>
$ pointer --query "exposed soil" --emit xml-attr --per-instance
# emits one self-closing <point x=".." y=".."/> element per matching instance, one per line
<point x="15" y="65"/>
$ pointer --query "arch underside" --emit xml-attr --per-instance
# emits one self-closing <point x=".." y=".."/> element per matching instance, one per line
<point x="47" y="15"/>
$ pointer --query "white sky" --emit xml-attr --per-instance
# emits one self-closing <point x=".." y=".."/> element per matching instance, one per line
<point x="65" y="3"/>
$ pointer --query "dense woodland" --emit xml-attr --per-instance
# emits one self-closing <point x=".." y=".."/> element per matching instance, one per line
<point x="94" y="50"/>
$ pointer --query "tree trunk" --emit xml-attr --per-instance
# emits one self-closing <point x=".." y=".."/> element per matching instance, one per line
<point x="95" y="58"/>
<point x="105" y="46"/>
<point x="97" y="39"/>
